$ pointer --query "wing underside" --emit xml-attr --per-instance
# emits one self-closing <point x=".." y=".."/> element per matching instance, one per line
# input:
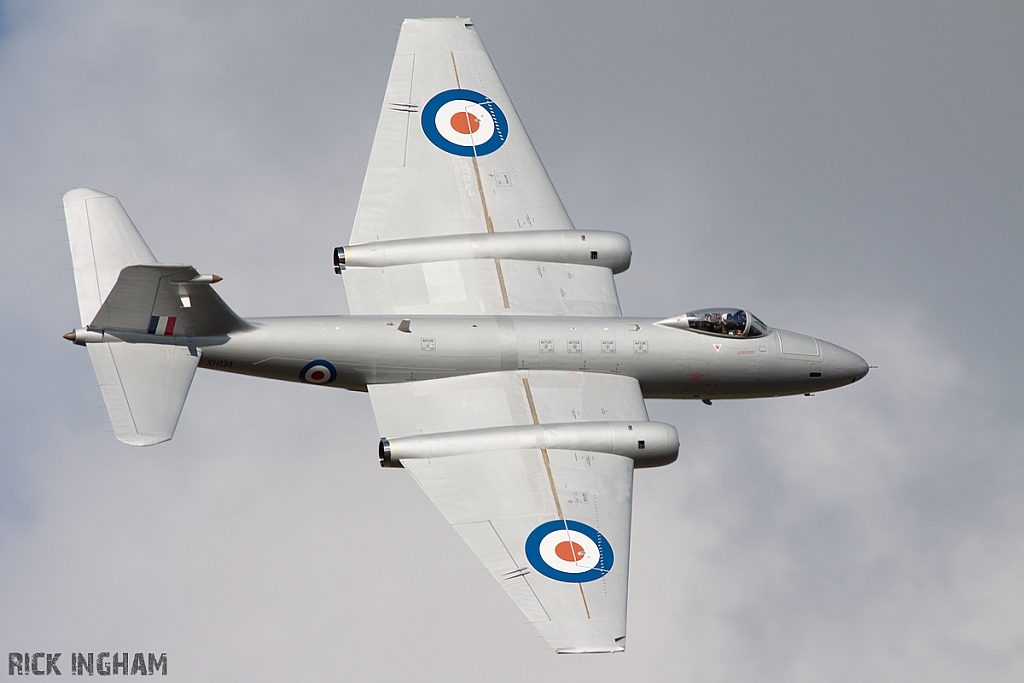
<point x="451" y="157"/>
<point x="551" y="525"/>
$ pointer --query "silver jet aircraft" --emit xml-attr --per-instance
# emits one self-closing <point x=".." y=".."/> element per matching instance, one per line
<point x="485" y="327"/>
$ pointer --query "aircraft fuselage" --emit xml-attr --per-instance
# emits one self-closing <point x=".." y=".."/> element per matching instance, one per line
<point x="668" y="362"/>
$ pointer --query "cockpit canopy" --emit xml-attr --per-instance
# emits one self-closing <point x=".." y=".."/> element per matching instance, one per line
<point x="724" y="322"/>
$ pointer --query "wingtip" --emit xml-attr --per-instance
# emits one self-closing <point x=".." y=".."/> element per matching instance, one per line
<point x="136" y="439"/>
<point x="83" y="193"/>
<point x="594" y="650"/>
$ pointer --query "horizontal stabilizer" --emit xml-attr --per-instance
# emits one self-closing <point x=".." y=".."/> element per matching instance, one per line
<point x="165" y="299"/>
<point x="103" y="241"/>
<point x="144" y="387"/>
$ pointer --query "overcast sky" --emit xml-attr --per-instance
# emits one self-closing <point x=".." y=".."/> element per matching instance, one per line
<point x="854" y="171"/>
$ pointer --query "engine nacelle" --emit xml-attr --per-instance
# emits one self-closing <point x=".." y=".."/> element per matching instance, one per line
<point x="590" y="248"/>
<point x="649" y="444"/>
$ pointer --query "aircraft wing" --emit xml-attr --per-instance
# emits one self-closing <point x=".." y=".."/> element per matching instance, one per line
<point x="551" y="525"/>
<point x="451" y="157"/>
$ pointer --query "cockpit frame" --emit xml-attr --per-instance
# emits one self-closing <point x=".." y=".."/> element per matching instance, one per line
<point x="734" y="323"/>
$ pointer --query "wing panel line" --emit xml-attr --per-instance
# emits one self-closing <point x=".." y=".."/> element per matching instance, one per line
<point x="501" y="276"/>
<point x="458" y="83"/>
<point x="521" y="572"/>
<point x="543" y="451"/>
<point x="409" y="116"/>
<point x="483" y="202"/>
<point x="551" y="479"/>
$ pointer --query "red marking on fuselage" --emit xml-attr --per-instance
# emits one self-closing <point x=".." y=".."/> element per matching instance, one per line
<point x="317" y="375"/>
<point x="569" y="551"/>
<point x="696" y="376"/>
<point x="465" y="123"/>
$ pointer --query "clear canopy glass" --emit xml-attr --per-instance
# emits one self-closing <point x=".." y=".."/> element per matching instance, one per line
<point x="726" y="322"/>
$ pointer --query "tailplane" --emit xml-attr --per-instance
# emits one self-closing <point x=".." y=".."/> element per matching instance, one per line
<point x="126" y="299"/>
<point x="144" y="388"/>
<point x="103" y="241"/>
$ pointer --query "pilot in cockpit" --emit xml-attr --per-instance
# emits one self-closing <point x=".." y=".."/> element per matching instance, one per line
<point x="735" y="323"/>
<point x="726" y="322"/>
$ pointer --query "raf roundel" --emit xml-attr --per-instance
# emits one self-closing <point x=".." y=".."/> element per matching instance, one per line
<point x="569" y="551"/>
<point x="464" y="123"/>
<point x="318" y="372"/>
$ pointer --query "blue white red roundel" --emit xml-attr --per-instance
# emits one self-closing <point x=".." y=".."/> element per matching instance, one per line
<point x="318" y="372"/>
<point x="464" y="122"/>
<point x="569" y="551"/>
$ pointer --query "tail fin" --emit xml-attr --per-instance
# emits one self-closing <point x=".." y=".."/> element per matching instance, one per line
<point x="122" y="287"/>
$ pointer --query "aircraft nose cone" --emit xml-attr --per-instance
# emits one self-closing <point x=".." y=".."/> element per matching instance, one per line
<point x="848" y="365"/>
